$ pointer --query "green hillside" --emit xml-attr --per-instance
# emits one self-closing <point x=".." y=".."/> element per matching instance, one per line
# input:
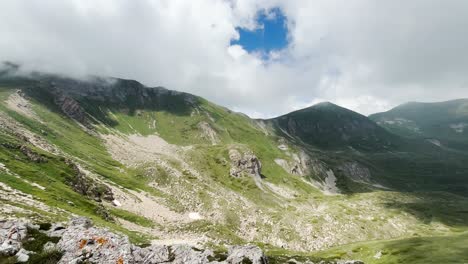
<point x="443" y="123"/>
<point x="160" y="165"/>
<point x="330" y="126"/>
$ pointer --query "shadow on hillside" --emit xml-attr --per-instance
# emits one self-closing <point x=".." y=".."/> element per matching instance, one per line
<point x="101" y="97"/>
<point x="448" y="209"/>
<point x="444" y="249"/>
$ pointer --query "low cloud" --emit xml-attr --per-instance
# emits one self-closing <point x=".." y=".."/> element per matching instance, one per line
<point x="361" y="54"/>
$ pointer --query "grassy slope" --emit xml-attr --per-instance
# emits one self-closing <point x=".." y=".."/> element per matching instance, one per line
<point x="237" y="129"/>
<point x="53" y="175"/>
<point x="233" y="129"/>
<point x="417" y="250"/>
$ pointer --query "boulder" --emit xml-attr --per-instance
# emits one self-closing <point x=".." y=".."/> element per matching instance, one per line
<point x="152" y="254"/>
<point x="82" y="242"/>
<point x="22" y="256"/>
<point x="185" y="254"/>
<point x="11" y="235"/>
<point x="246" y="254"/>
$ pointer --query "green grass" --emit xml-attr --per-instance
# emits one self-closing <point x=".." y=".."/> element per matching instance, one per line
<point x="442" y="249"/>
<point x="131" y="217"/>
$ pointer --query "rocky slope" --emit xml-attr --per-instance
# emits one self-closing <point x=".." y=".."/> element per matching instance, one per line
<point x="170" y="168"/>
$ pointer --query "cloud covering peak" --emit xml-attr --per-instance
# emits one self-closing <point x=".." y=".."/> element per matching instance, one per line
<point x="361" y="54"/>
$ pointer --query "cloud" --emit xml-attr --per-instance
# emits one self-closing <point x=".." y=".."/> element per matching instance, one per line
<point x="361" y="54"/>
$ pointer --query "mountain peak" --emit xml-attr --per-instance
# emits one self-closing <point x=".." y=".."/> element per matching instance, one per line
<point x="328" y="125"/>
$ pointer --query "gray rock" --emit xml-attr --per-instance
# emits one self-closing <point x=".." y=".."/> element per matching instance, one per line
<point x="81" y="222"/>
<point x="349" y="262"/>
<point x="82" y="242"/>
<point x="11" y="235"/>
<point x="49" y="246"/>
<point x="239" y="254"/>
<point x="56" y="230"/>
<point x="22" y="255"/>
<point x="189" y="255"/>
<point x="246" y="163"/>
<point x="151" y="254"/>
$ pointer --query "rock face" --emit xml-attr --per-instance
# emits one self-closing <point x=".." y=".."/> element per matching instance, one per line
<point x="246" y="254"/>
<point x="208" y="133"/>
<point x="70" y="107"/>
<point x="27" y="151"/>
<point x="356" y="172"/>
<point x="84" y="185"/>
<point x="11" y="235"/>
<point x="32" y="155"/>
<point x="299" y="165"/>
<point x="247" y="163"/>
<point x="129" y="95"/>
<point x="83" y="243"/>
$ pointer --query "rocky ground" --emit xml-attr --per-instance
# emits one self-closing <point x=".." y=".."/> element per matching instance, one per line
<point x="80" y="241"/>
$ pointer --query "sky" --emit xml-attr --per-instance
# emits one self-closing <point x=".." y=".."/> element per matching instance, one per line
<point x="261" y="57"/>
<point x="271" y="33"/>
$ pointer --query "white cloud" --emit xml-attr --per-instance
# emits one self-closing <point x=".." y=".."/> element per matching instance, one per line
<point x="361" y="54"/>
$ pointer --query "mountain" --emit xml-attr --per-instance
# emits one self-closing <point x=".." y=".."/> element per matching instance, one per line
<point x="329" y="126"/>
<point x="319" y="184"/>
<point x="443" y="123"/>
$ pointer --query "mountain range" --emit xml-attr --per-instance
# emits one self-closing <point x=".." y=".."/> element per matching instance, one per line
<point x="321" y="184"/>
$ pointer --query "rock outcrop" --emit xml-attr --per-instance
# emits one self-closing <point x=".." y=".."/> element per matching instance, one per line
<point x="208" y="133"/>
<point x="356" y="172"/>
<point x="85" y="185"/>
<point x="27" y="151"/>
<point x="246" y="254"/>
<point x="299" y="165"/>
<point x="81" y="242"/>
<point x="32" y="155"/>
<point x="11" y="235"/>
<point x="246" y="163"/>
<point x="70" y="107"/>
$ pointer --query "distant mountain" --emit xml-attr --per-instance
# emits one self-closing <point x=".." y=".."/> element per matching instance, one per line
<point x="330" y="126"/>
<point x="443" y="123"/>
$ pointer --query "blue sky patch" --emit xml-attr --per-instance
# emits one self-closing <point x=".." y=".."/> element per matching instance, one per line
<point x="271" y="34"/>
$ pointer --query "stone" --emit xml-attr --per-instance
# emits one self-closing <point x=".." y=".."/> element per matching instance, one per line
<point x="11" y="235"/>
<point x="81" y="222"/>
<point x="185" y="254"/>
<point x="22" y="255"/>
<point x="81" y="242"/>
<point x="49" y="246"/>
<point x="239" y="254"/>
<point x="56" y="230"/>
<point x="151" y="254"/>
<point x="116" y="203"/>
